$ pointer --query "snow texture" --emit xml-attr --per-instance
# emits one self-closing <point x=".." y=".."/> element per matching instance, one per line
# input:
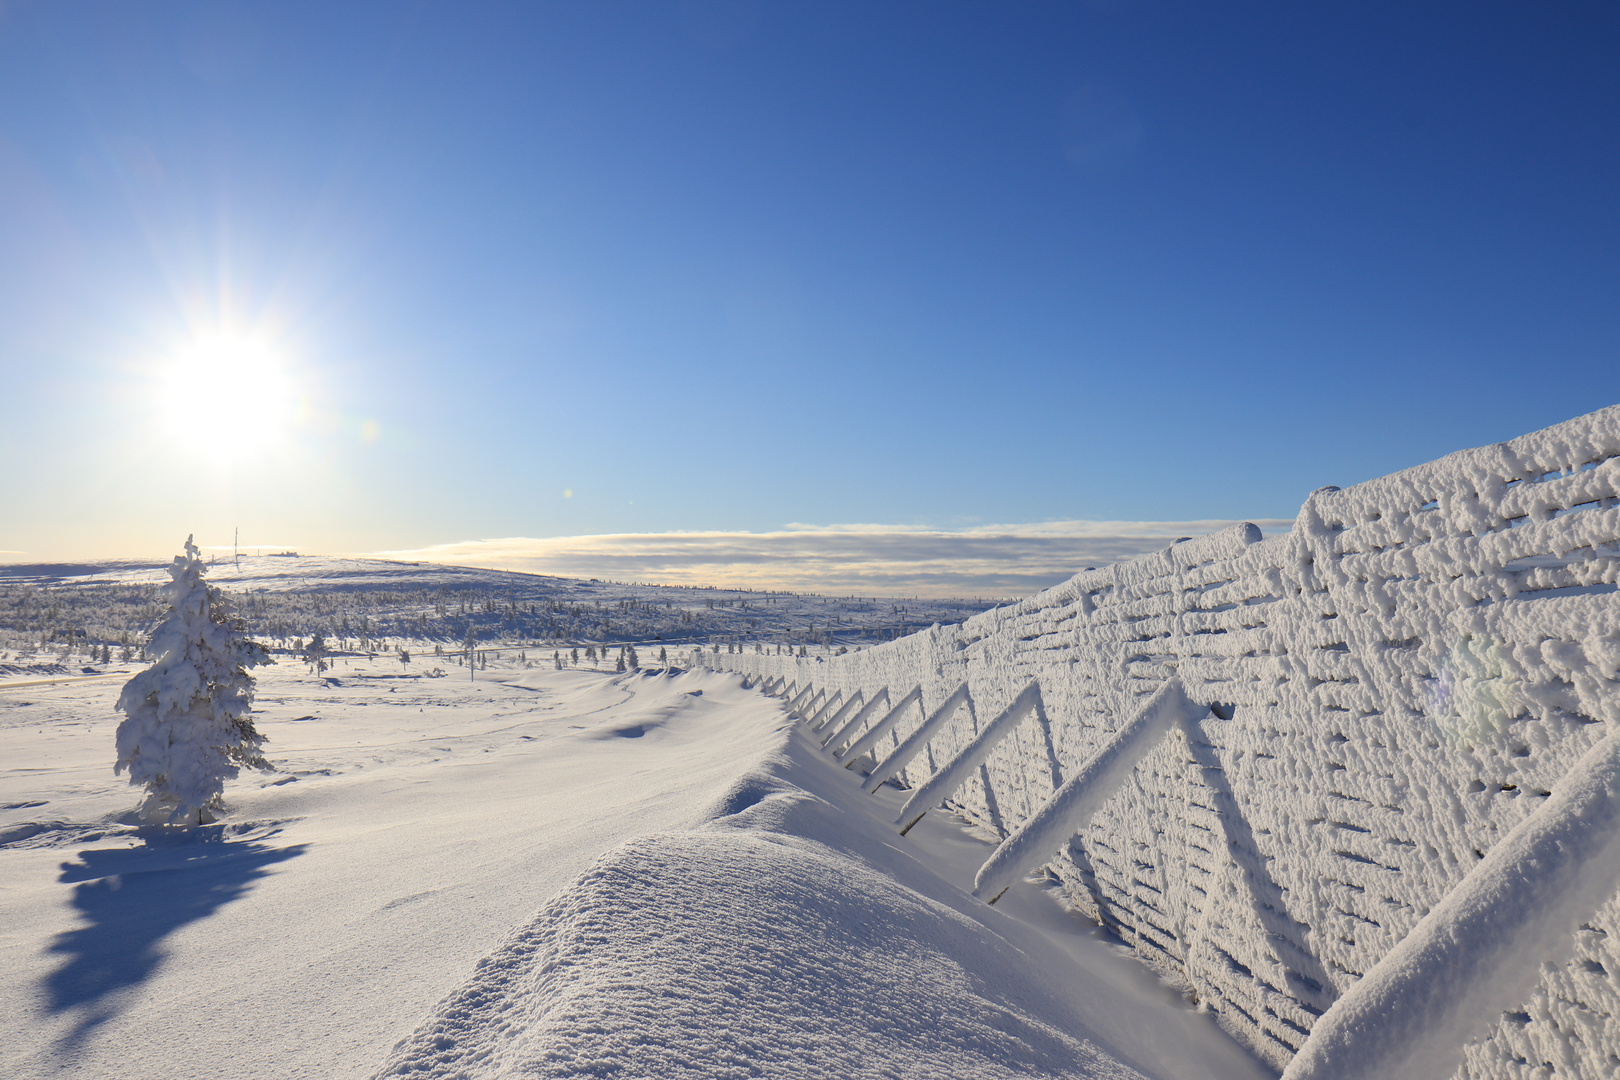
<point x="788" y="937"/>
<point x="1409" y="673"/>
<point x="812" y="967"/>
<point x="411" y="824"/>
<point x="186" y="728"/>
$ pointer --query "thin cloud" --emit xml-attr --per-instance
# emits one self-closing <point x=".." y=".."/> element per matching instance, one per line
<point x="865" y="559"/>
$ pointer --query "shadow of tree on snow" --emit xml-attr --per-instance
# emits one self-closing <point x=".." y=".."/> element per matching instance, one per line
<point x="131" y="899"/>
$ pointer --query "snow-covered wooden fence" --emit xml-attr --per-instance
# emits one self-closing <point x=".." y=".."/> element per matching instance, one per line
<point x="1398" y="684"/>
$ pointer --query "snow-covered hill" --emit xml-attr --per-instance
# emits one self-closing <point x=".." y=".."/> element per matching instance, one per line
<point x="374" y="604"/>
<point x="1373" y="832"/>
<point x="539" y="873"/>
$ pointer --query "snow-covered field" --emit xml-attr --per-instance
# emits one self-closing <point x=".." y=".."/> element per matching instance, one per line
<point x="376" y="605"/>
<point x="538" y="873"/>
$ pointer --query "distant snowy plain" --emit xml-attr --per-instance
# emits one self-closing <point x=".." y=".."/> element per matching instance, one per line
<point x="538" y="873"/>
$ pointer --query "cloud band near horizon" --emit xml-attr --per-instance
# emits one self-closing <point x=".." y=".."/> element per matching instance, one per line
<point x="876" y="560"/>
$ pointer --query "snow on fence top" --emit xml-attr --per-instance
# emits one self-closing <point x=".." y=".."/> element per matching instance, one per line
<point x="1405" y="677"/>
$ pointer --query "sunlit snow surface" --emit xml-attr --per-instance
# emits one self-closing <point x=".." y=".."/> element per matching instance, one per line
<point x="538" y="873"/>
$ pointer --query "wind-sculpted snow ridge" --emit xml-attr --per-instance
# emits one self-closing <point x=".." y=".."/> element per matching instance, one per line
<point x="810" y="968"/>
<point x="1383" y="695"/>
<point x="788" y="937"/>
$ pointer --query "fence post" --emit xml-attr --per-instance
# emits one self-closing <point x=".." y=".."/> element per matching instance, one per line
<point x="1072" y="805"/>
<point x="943" y="784"/>
<point x="918" y="739"/>
<point x="880" y="729"/>
<point x="832" y="722"/>
<point x="815" y="721"/>
<point x="837" y="738"/>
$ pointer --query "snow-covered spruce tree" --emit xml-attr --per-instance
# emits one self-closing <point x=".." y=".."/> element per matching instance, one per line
<point x="186" y="728"/>
<point x="315" y="654"/>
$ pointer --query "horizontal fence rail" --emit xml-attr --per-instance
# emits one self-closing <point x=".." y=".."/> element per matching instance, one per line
<point x="1293" y="772"/>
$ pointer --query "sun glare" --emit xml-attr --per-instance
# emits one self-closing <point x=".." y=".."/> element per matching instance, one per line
<point x="229" y="397"/>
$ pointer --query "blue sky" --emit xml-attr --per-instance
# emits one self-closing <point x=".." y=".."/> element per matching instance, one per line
<point x="553" y="270"/>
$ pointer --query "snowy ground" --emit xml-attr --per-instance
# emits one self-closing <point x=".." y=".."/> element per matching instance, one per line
<point x="540" y="873"/>
<point x="45" y="608"/>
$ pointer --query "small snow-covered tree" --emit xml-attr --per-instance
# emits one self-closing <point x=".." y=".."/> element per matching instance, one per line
<point x="316" y="653"/>
<point x="186" y="728"/>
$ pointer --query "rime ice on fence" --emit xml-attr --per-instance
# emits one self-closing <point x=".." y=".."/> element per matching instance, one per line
<point x="186" y="728"/>
<point x="1480" y="950"/>
<point x="1408" y="675"/>
<point x="1083" y="794"/>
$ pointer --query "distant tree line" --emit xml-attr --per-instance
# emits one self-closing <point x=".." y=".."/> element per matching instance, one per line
<point x="106" y="622"/>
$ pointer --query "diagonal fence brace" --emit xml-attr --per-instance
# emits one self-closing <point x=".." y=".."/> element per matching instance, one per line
<point x="880" y="729"/>
<point x="836" y="739"/>
<point x="833" y="721"/>
<point x="918" y="739"/>
<point x="1480" y="950"/>
<point x="1072" y="805"/>
<point x="815" y="721"/>
<point x="954" y="773"/>
<point x="798" y="699"/>
<point x="809" y="704"/>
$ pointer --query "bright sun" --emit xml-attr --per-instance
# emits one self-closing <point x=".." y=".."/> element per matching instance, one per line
<point x="228" y="396"/>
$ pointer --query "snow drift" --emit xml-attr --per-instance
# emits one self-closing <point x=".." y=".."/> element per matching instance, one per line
<point x="789" y="937"/>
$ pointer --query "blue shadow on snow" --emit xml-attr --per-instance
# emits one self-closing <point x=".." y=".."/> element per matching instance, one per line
<point x="131" y="899"/>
